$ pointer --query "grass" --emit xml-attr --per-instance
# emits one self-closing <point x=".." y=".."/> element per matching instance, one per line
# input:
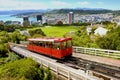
<point x="57" y="31"/>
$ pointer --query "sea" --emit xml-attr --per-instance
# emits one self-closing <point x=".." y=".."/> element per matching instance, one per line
<point x="14" y="18"/>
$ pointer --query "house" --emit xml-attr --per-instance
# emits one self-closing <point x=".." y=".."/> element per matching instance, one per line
<point x="24" y="32"/>
<point x="101" y="31"/>
<point x="89" y="29"/>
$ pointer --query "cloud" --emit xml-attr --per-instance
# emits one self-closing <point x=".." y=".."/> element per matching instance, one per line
<point x="60" y="3"/>
<point x="30" y="4"/>
<point x="17" y="4"/>
<point x="83" y="3"/>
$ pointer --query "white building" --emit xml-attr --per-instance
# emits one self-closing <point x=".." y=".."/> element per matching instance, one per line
<point x="88" y="30"/>
<point x="25" y="32"/>
<point x="101" y="31"/>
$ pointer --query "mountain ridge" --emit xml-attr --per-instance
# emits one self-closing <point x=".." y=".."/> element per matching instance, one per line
<point x="81" y="11"/>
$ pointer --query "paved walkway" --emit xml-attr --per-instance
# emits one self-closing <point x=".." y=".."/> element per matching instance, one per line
<point x="102" y="60"/>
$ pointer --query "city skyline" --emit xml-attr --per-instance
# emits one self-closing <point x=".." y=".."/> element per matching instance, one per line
<point x="58" y="4"/>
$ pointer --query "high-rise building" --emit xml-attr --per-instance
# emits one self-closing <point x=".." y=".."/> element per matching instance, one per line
<point x="39" y="18"/>
<point x="26" y="22"/>
<point x="70" y="18"/>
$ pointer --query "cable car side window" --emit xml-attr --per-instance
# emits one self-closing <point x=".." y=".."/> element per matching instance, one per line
<point x="47" y="45"/>
<point x="40" y="44"/>
<point x="32" y="43"/>
<point x="57" y="45"/>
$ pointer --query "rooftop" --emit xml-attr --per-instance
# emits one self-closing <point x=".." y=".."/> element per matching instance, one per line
<point x="50" y="39"/>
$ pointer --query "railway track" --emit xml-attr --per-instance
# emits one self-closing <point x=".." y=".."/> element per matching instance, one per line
<point x="78" y="63"/>
<point x="82" y="64"/>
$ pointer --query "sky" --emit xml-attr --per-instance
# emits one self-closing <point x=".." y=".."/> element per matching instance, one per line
<point x="58" y="4"/>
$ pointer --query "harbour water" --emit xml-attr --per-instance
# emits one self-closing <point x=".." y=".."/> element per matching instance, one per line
<point x="14" y="18"/>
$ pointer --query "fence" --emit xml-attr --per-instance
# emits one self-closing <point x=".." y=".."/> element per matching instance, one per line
<point x="97" y="52"/>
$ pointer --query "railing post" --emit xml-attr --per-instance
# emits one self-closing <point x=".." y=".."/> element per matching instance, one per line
<point x="84" y="51"/>
<point x="47" y="64"/>
<point x="68" y="75"/>
<point x="56" y="70"/>
<point x="108" y="53"/>
<point x="75" y="50"/>
<point x="57" y="73"/>
<point x="95" y="52"/>
<point x="41" y="61"/>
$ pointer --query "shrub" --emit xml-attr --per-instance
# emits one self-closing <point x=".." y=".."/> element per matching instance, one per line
<point x="16" y="37"/>
<point x="3" y="50"/>
<point x="24" y="69"/>
<point x="36" y="31"/>
<point x="12" y="57"/>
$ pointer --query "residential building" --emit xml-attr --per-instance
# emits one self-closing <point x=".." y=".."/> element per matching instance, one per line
<point x="100" y="31"/>
<point x="26" y="21"/>
<point x="70" y="18"/>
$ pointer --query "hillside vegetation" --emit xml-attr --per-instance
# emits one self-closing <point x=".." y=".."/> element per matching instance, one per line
<point x="24" y="69"/>
<point x="12" y="67"/>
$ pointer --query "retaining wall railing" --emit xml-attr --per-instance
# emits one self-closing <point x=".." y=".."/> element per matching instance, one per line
<point x="97" y="52"/>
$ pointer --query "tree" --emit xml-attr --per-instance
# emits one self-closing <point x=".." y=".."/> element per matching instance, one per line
<point x="1" y="27"/>
<point x="48" y="75"/>
<point x="16" y="37"/>
<point x="24" y="69"/>
<point x="10" y="28"/>
<point x="12" y="57"/>
<point x="36" y="31"/>
<point x="45" y="24"/>
<point x="41" y="73"/>
<point x="3" y="50"/>
<point x="59" y="23"/>
<point x="110" y="41"/>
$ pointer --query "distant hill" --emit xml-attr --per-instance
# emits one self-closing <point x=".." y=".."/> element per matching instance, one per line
<point x="20" y="12"/>
<point x="80" y="11"/>
<point x="64" y="11"/>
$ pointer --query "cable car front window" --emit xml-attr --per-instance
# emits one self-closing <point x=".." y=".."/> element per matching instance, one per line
<point x="69" y="43"/>
<point x="66" y="44"/>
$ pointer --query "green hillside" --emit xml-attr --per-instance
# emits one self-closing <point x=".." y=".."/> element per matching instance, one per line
<point x="56" y="31"/>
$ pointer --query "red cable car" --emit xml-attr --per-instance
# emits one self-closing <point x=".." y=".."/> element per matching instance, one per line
<point x="53" y="47"/>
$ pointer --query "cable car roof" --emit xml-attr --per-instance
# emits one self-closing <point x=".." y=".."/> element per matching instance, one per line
<point x="49" y="39"/>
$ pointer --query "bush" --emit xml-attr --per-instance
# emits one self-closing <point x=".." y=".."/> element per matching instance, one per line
<point x="24" y="69"/>
<point x="110" y="41"/>
<point x="36" y="31"/>
<point x="47" y="74"/>
<point x="4" y="37"/>
<point x="16" y="37"/>
<point x="12" y="57"/>
<point x="3" y="50"/>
